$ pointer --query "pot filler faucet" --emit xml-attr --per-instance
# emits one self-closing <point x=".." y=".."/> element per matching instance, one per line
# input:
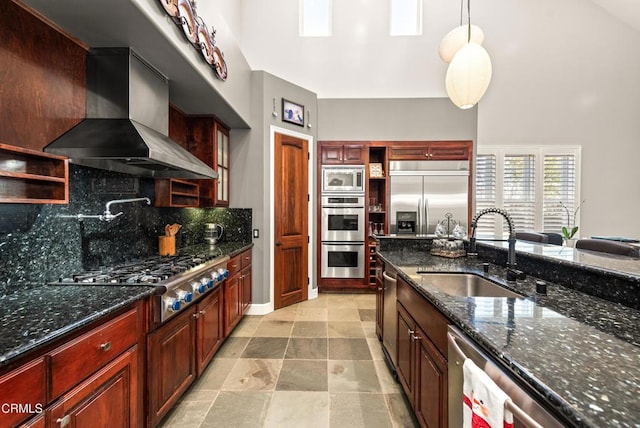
<point x="512" y="273"/>
<point x="107" y="215"/>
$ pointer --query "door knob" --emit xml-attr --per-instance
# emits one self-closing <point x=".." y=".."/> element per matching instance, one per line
<point x="278" y="243"/>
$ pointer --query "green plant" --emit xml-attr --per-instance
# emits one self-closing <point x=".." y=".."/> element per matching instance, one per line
<point x="570" y="229"/>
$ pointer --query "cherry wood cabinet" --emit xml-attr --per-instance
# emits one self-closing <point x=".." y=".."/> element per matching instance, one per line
<point x="237" y="292"/>
<point x="108" y="398"/>
<point x="209" y="328"/>
<point x="430" y="150"/>
<point x="172" y="192"/>
<point x="171" y="364"/>
<point x="90" y="379"/>
<point x="379" y="297"/>
<point x="422" y="356"/>
<point x="208" y="140"/>
<point x="79" y="358"/>
<point x="232" y="300"/>
<point x="341" y="153"/>
<point x="30" y="176"/>
<point x="245" y="281"/>
<point x="25" y="385"/>
<point x="35" y="422"/>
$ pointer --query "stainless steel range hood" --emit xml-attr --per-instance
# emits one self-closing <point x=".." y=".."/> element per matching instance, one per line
<point x="127" y="121"/>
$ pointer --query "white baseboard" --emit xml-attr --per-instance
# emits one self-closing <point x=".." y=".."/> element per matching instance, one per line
<point x="260" y="309"/>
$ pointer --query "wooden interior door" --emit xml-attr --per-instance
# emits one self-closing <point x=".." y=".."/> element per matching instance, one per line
<point x="291" y="204"/>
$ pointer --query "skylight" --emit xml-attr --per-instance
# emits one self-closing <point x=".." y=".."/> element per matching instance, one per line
<point x="406" y="18"/>
<point x="315" y="18"/>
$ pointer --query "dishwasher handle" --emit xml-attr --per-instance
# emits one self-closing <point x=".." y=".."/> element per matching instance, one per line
<point x="508" y="404"/>
<point x="388" y="278"/>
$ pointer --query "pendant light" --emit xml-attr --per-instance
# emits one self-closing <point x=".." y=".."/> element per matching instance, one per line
<point x="469" y="72"/>
<point x="458" y="37"/>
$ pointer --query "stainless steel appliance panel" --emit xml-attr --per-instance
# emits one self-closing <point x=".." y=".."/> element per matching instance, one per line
<point x="343" y="179"/>
<point x="342" y="260"/>
<point x="343" y="224"/>
<point x="431" y="189"/>
<point x="390" y="316"/>
<point x="527" y="412"/>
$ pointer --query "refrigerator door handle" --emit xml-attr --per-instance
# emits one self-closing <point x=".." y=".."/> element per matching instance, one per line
<point x="426" y="216"/>
<point x="419" y="219"/>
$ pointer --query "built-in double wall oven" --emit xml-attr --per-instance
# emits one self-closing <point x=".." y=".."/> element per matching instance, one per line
<point x="343" y="234"/>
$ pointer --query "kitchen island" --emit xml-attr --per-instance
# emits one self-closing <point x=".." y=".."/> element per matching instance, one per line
<point x="577" y="351"/>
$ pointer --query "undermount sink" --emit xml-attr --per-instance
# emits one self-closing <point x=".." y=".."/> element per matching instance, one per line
<point x="466" y="285"/>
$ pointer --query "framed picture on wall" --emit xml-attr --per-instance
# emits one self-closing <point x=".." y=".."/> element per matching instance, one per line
<point x="292" y="112"/>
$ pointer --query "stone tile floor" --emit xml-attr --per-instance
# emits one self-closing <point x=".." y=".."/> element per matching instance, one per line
<point x="314" y="364"/>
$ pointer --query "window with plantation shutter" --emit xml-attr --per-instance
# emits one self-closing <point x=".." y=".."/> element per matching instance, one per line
<point x="519" y="190"/>
<point x="531" y="184"/>
<point x="486" y="192"/>
<point x="559" y="189"/>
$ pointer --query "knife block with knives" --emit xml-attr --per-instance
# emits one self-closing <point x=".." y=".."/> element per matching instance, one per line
<point x="167" y="242"/>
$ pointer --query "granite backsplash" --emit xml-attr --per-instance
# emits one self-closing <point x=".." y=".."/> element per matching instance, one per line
<point x="38" y="246"/>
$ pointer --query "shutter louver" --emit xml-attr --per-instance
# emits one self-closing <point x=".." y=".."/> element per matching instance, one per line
<point x="486" y="192"/>
<point x="559" y="186"/>
<point x="519" y="190"/>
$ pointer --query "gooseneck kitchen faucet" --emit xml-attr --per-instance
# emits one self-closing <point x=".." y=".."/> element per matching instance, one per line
<point x="107" y="215"/>
<point x="512" y="273"/>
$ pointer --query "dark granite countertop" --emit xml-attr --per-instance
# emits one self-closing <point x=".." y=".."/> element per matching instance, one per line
<point x="34" y="315"/>
<point x="579" y="352"/>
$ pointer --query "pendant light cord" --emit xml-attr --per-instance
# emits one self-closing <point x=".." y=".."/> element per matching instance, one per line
<point x="469" y="21"/>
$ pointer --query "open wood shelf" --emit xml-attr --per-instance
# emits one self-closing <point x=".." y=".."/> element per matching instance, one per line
<point x="30" y="176"/>
<point x="177" y="193"/>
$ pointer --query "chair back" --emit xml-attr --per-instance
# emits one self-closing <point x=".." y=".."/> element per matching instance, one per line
<point x="554" y="238"/>
<point x="532" y="237"/>
<point x="606" y="246"/>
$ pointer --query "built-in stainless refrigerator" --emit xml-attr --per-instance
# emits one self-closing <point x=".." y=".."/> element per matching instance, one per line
<point x="423" y="192"/>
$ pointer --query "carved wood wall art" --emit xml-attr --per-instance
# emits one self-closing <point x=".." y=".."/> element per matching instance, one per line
<point x="183" y="14"/>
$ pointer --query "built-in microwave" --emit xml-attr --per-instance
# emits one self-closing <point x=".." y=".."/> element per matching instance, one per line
<point x="343" y="179"/>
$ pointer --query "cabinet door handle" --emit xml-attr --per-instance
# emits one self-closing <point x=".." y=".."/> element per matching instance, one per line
<point x="64" y="421"/>
<point x="202" y="312"/>
<point x="415" y="337"/>
<point x="196" y="315"/>
<point x="106" y="347"/>
<point x="410" y="332"/>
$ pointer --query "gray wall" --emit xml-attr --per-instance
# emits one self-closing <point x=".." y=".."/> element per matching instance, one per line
<point x="395" y="119"/>
<point x="251" y="168"/>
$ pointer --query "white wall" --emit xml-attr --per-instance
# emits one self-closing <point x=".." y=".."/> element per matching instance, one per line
<point x="563" y="73"/>
<point x="567" y="73"/>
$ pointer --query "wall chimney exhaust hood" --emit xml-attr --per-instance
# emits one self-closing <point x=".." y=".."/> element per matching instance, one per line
<point x="127" y="124"/>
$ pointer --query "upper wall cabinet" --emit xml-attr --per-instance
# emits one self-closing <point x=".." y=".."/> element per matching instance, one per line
<point x="208" y="140"/>
<point x="30" y="176"/>
<point x="339" y="153"/>
<point x="432" y="150"/>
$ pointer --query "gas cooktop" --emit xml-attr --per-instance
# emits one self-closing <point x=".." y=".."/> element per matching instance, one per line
<point x="154" y="270"/>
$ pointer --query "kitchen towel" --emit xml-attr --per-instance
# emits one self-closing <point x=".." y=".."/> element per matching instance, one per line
<point x="483" y="400"/>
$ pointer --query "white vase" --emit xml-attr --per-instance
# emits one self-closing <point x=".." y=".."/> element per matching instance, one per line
<point x="569" y="242"/>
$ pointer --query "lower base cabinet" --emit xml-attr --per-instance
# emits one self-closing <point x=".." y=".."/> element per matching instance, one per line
<point x="171" y="364"/>
<point x="422" y="365"/>
<point x="106" y="399"/>
<point x="209" y="329"/>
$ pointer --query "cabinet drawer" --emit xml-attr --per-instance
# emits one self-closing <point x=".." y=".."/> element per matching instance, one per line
<point x="24" y="386"/>
<point x="235" y="265"/>
<point x="76" y="360"/>
<point x="245" y="259"/>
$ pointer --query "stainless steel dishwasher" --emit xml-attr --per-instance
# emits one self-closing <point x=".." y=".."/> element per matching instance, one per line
<point x="390" y="317"/>
<point x="526" y="411"/>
